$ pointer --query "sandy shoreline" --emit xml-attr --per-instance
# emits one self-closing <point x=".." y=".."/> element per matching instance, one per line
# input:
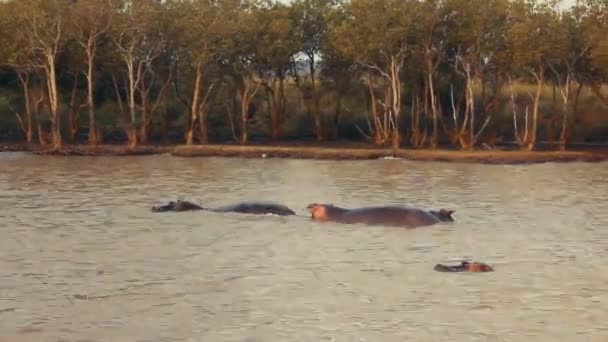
<point x="326" y="153"/>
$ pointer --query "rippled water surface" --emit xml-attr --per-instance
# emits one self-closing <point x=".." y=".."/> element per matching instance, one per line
<point x="82" y="258"/>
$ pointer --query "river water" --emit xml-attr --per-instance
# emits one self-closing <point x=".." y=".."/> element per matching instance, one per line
<point x="82" y="258"/>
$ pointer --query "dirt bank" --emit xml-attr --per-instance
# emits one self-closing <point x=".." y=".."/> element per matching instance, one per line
<point x="327" y="153"/>
<point x="490" y="157"/>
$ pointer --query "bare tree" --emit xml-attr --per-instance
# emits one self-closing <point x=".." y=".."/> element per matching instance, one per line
<point x="45" y="22"/>
<point x="137" y="49"/>
<point x="92" y="20"/>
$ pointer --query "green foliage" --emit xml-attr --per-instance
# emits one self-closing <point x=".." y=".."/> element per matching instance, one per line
<point x="369" y="30"/>
<point x="354" y="49"/>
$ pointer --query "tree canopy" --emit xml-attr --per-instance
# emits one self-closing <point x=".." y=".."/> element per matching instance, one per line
<point x="395" y="72"/>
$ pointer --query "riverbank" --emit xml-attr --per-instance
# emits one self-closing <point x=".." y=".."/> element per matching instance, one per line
<point x="345" y="153"/>
<point x="332" y="152"/>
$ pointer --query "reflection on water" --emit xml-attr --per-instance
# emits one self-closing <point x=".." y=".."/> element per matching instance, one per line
<point x="83" y="258"/>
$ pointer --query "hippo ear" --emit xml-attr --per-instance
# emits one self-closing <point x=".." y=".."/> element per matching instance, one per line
<point x="443" y="214"/>
<point x="446" y="212"/>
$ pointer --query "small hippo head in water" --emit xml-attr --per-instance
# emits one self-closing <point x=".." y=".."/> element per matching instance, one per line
<point x="167" y="207"/>
<point x="317" y="211"/>
<point x="443" y="215"/>
<point x="176" y="206"/>
<point x="465" y="266"/>
<point x="324" y="212"/>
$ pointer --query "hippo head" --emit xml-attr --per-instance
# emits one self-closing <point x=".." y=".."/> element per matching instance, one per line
<point x="477" y="267"/>
<point x="318" y="212"/>
<point x="167" y="207"/>
<point x="443" y="215"/>
<point x="325" y="212"/>
<point x="465" y="266"/>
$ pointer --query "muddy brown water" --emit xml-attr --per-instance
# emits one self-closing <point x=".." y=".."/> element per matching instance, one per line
<point x="82" y="258"/>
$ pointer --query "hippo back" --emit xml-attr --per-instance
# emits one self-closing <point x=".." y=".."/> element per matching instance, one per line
<point x="389" y="216"/>
<point x="259" y="208"/>
<point x="177" y="206"/>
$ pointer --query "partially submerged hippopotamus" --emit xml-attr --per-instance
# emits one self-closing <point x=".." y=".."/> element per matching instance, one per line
<point x="259" y="208"/>
<point x="381" y="215"/>
<point x="465" y="266"/>
<point x="176" y="206"/>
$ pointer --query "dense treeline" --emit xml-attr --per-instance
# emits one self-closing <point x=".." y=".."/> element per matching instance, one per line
<point x="396" y="72"/>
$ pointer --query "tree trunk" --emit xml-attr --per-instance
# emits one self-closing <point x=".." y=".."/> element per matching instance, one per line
<point x="471" y="109"/>
<point x="315" y="101"/>
<point x="144" y="130"/>
<point x="149" y="105"/>
<point x="37" y="108"/>
<point x="90" y="50"/>
<point x="147" y="108"/>
<point x="248" y="90"/>
<point x="53" y="102"/>
<point x="193" y="109"/>
<point x="396" y="100"/>
<point x="132" y="131"/>
<point x="520" y="140"/>
<point x="565" y="91"/>
<point x="231" y="112"/>
<point x="273" y="107"/>
<point x="276" y="104"/>
<point x="418" y="137"/>
<point x="540" y="78"/>
<point x="414" y="121"/>
<point x="24" y="78"/>
<point x="575" y="103"/>
<point x="73" y="112"/>
<point x="377" y="134"/>
<point x="282" y="105"/>
<point x="431" y="90"/>
<point x="117" y="94"/>
<point x="41" y="134"/>
<point x="244" y="136"/>
<point x="244" y="106"/>
<point x="121" y="108"/>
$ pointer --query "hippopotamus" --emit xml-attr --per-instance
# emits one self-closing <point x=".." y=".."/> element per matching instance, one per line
<point x="177" y="206"/>
<point x="465" y="266"/>
<point x="400" y="216"/>
<point x="259" y="208"/>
